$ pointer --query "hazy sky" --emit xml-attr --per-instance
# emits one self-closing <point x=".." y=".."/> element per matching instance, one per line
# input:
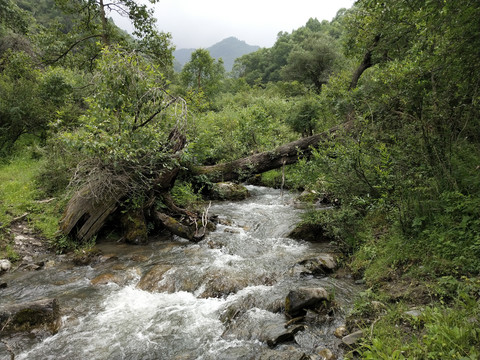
<point x="202" y="23"/>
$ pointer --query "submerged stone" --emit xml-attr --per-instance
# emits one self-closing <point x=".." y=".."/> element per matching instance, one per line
<point x="151" y="280"/>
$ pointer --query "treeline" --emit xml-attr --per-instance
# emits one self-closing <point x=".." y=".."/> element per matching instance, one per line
<point x="96" y="104"/>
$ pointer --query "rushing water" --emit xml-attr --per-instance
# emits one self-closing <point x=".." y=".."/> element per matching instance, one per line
<point x="211" y="300"/>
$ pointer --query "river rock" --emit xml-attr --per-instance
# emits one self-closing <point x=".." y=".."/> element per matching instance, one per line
<point x="309" y="232"/>
<point x="43" y="314"/>
<point x="261" y="325"/>
<point x="326" y="354"/>
<point x="104" y="279"/>
<point x="222" y="283"/>
<point x="150" y="281"/>
<point x="352" y="338"/>
<point x="301" y="299"/>
<point x="340" y="332"/>
<point x="5" y="265"/>
<point x="320" y="265"/>
<point x="229" y="191"/>
<point x="134" y="226"/>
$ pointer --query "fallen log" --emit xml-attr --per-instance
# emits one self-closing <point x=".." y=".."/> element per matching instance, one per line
<point x="85" y="215"/>
<point x="285" y="154"/>
<point x="189" y="232"/>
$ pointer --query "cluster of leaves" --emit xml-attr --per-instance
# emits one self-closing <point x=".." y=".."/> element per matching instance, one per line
<point x="309" y="55"/>
<point x="123" y="136"/>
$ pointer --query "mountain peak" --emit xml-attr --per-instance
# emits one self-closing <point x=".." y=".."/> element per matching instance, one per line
<point x="228" y="49"/>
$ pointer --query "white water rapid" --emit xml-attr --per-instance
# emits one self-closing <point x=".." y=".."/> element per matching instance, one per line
<point x="211" y="300"/>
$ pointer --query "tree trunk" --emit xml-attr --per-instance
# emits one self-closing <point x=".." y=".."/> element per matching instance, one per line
<point x="258" y="163"/>
<point x="176" y="227"/>
<point x="364" y="65"/>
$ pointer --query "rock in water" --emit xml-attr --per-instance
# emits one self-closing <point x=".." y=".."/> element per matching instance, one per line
<point x="30" y="315"/>
<point x="150" y="281"/>
<point x="229" y="191"/>
<point x="340" y="332"/>
<point x="320" y="265"/>
<point x="297" y="301"/>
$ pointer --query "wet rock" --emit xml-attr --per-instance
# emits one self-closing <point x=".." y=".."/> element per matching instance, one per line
<point x="139" y="258"/>
<point x="301" y="299"/>
<point x="352" y="338"/>
<point x="229" y="191"/>
<point x="5" y="265"/>
<point x="321" y="265"/>
<point x="261" y="325"/>
<point x="32" y="266"/>
<point x="104" y="279"/>
<point x="309" y="232"/>
<point x="134" y="226"/>
<point x="3" y="285"/>
<point x="326" y="354"/>
<point x="340" y="332"/>
<point x="86" y="257"/>
<point x="220" y="284"/>
<point x="151" y="280"/>
<point x="277" y="334"/>
<point x="44" y="314"/>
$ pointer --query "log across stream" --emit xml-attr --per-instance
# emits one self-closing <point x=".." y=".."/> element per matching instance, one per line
<point x="221" y="298"/>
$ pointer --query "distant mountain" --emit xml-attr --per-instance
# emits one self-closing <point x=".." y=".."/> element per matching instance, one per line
<point x="228" y="49"/>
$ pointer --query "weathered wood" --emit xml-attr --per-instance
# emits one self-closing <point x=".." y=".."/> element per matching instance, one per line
<point x="258" y="163"/>
<point x="189" y="232"/>
<point x="85" y="215"/>
<point x="30" y="315"/>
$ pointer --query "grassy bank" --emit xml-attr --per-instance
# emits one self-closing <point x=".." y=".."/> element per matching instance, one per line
<point x="23" y="199"/>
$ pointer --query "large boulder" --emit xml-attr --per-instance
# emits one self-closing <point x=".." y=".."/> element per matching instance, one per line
<point x="261" y="325"/>
<point x="229" y="191"/>
<point x="301" y="299"/>
<point x="309" y="232"/>
<point x="41" y="314"/>
<point x="319" y="265"/>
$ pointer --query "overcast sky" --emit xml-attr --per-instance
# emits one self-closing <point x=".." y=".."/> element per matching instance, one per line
<point x="202" y="23"/>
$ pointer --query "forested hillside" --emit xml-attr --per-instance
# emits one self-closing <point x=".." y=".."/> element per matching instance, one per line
<point x="96" y="114"/>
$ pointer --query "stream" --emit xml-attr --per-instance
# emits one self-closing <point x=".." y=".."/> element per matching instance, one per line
<point x="173" y="299"/>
